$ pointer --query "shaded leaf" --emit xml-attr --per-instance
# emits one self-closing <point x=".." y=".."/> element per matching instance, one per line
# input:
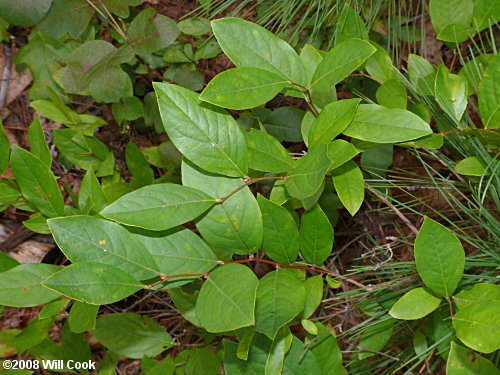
<point x="489" y="102"/>
<point x="316" y="236"/>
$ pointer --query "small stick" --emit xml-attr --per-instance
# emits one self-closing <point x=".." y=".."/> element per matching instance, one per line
<point x="248" y="181"/>
<point x="393" y="208"/>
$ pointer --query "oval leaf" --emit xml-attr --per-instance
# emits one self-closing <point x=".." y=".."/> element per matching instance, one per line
<point x="235" y="224"/>
<point x="488" y="98"/>
<point x="462" y="361"/>
<point x="265" y="153"/>
<point x="206" y="135"/>
<point x="478" y="327"/>
<point x="349" y="184"/>
<point x="375" y="123"/>
<point x="159" y="206"/>
<point x="243" y="88"/>
<point x="250" y="45"/>
<point x="224" y="304"/>
<point x="415" y="304"/>
<point x="281" y="236"/>
<point x="316" y="236"/>
<point x="91" y="239"/>
<point x="132" y="335"/>
<point x="21" y="286"/>
<point x="37" y="182"/>
<point x="440" y="258"/>
<point x="93" y="283"/>
<point x="280" y="298"/>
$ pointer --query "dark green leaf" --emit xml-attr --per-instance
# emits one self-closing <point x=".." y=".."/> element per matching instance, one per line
<point x="326" y="351"/>
<point x="314" y="294"/>
<point x="91" y="198"/>
<point x="207" y="136"/>
<point x="66" y="17"/>
<point x="132" y="335"/>
<point x="38" y="145"/>
<point x="24" y="12"/>
<point x="4" y="149"/>
<point x="375" y="336"/>
<point x="82" y="316"/>
<point x="284" y="124"/>
<point x="489" y="102"/>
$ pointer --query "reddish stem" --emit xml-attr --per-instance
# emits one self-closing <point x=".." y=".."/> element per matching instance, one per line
<point x="248" y="181"/>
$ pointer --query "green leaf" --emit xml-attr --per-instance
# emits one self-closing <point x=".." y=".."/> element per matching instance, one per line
<point x="243" y="88"/>
<point x="472" y="166"/>
<point x="93" y="283"/>
<point x="24" y="12"/>
<point x="250" y="45"/>
<point x="21" y="286"/>
<point x="480" y="292"/>
<point x="36" y="331"/>
<point x="349" y="185"/>
<point x="462" y="361"/>
<point x="305" y="126"/>
<point x="255" y="363"/>
<point x="440" y="258"/>
<point x="284" y="124"/>
<point x="447" y="12"/>
<point x="489" y="101"/>
<point x="91" y="239"/>
<point x="265" y="153"/>
<point x="431" y="142"/>
<point x="326" y="351"/>
<point x="379" y="124"/>
<point x="179" y="251"/>
<point x="451" y="93"/>
<point x="159" y="207"/>
<point x="415" y="304"/>
<point x="316" y="236"/>
<point x="337" y="64"/>
<point x="7" y="262"/>
<point x="311" y="58"/>
<point x="53" y="308"/>
<point x="120" y="7"/>
<point x="280" y="346"/>
<point x="485" y="13"/>
<point x="225" y="305"/>
<point x="350" y="25"/>
<point x="10" y="195"/>
<point x="304" y="179"/>
<point x="235" y="224"/>
<point x="280" y="298"/>
<point x="204" y="134"/>
<point x="84" y="151"/>
<point x="203" y="361"/>
<point x="332" y="121"/>
<point x="420" y="344"/>
<point x="4" y="149"/>
<point x="379" y="65"/>
<point x="194" y="26"/>
<point x="314" y="294"/>
<point x="375" y="336"/>
<point x="477" y="326"/>
<point x="185" y="301"/>
<point x="94" y="69"/>
<point x="38" y="145"/>
<point x="296" y="364"/>
<point x="132" y="335"/>
<point x="422" y="74"/>
<point x="82" y="316"/>
<point x="66" y="17"/>
<point x="392" y="94"/>
<point x="91" y="198"/>
<point x="129" y="108"/>
<point x="378" y="159"/>
<point x="37" y="182"/>
<point x="150" y="32"/>
<point x="281" y="236"/>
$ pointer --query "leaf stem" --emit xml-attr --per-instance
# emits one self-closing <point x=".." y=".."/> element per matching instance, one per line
<point x="308" y="99"/>
<point x="248" y="181"/>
